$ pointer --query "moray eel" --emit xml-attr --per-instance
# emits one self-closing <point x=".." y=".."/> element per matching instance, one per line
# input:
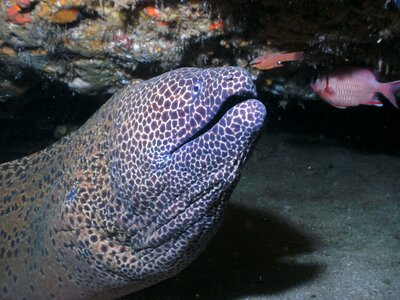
<point x="134" y="195"/>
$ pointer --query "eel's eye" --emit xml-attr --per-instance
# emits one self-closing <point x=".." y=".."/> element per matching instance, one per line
<point x="197" y="87"/>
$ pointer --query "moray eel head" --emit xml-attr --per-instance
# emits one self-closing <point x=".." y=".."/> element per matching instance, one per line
<point x="166" y="117"/>
<point x="181" y="139"/>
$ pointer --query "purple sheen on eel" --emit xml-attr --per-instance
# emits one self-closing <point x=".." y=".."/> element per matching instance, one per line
<point x="134" y="195"/>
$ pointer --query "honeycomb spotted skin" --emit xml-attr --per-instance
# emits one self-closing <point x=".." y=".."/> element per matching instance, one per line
<point x="131" y="197"/>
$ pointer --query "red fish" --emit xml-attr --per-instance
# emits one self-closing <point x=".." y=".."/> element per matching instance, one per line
<point x="275" y="60"/>
<point x="354" y="87"/>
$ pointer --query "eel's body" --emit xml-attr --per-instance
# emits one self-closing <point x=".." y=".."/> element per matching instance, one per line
<point x="131" y="197"/>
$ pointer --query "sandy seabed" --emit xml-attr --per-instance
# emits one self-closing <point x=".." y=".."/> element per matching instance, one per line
<point x="309" y="219"/>
<point x="315" y="215"/>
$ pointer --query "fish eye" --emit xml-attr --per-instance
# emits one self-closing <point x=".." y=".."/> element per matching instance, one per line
<point x="279" y="62"/>
<point x="8" y="4"/>
<point x="196" y="89"/>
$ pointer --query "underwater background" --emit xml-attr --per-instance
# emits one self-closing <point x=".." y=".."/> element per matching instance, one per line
<point x="316" y="213"/>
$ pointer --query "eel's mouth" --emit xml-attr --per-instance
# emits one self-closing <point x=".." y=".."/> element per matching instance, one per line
<point x="208" y="164"/>
<point x="227" y="104"/>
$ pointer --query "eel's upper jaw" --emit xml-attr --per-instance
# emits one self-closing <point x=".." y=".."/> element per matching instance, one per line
<point x="228" y="101"/>
<point x="248" y="91"/>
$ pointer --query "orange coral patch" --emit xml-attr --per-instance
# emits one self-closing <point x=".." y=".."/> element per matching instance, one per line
<point x="216" y="25"/>
<point x="64" y="16"/>
<point x="151" y="12"/>
<point x="8" y="51"/>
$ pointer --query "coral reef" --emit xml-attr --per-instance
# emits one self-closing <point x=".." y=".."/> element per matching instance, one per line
<point x="97" y="46"/>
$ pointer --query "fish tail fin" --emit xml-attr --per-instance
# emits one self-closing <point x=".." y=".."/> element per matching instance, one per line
<point x="389" y="90"/>
<point x="298" y="55"/>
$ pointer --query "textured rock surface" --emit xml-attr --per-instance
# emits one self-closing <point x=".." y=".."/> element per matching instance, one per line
<point x="97" y="46"/>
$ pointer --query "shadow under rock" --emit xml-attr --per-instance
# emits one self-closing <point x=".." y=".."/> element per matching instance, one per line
<point x="250" y="255"/>
<point x="362" y="129"/>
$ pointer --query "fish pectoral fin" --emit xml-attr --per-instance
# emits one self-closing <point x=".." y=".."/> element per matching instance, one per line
<point x="279" y="64"/>
<point x="255" y="61"/>
<point x="328" y="91"/>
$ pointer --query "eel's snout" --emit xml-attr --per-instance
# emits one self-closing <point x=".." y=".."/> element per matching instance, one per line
<point x="226" y="143"/>
<point x="207" y="167"/>
<point x="246" y="118"/>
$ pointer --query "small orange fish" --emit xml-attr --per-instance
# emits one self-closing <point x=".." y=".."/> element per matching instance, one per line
<point x="275" y="60"/>
<point x="152" y="12"/>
